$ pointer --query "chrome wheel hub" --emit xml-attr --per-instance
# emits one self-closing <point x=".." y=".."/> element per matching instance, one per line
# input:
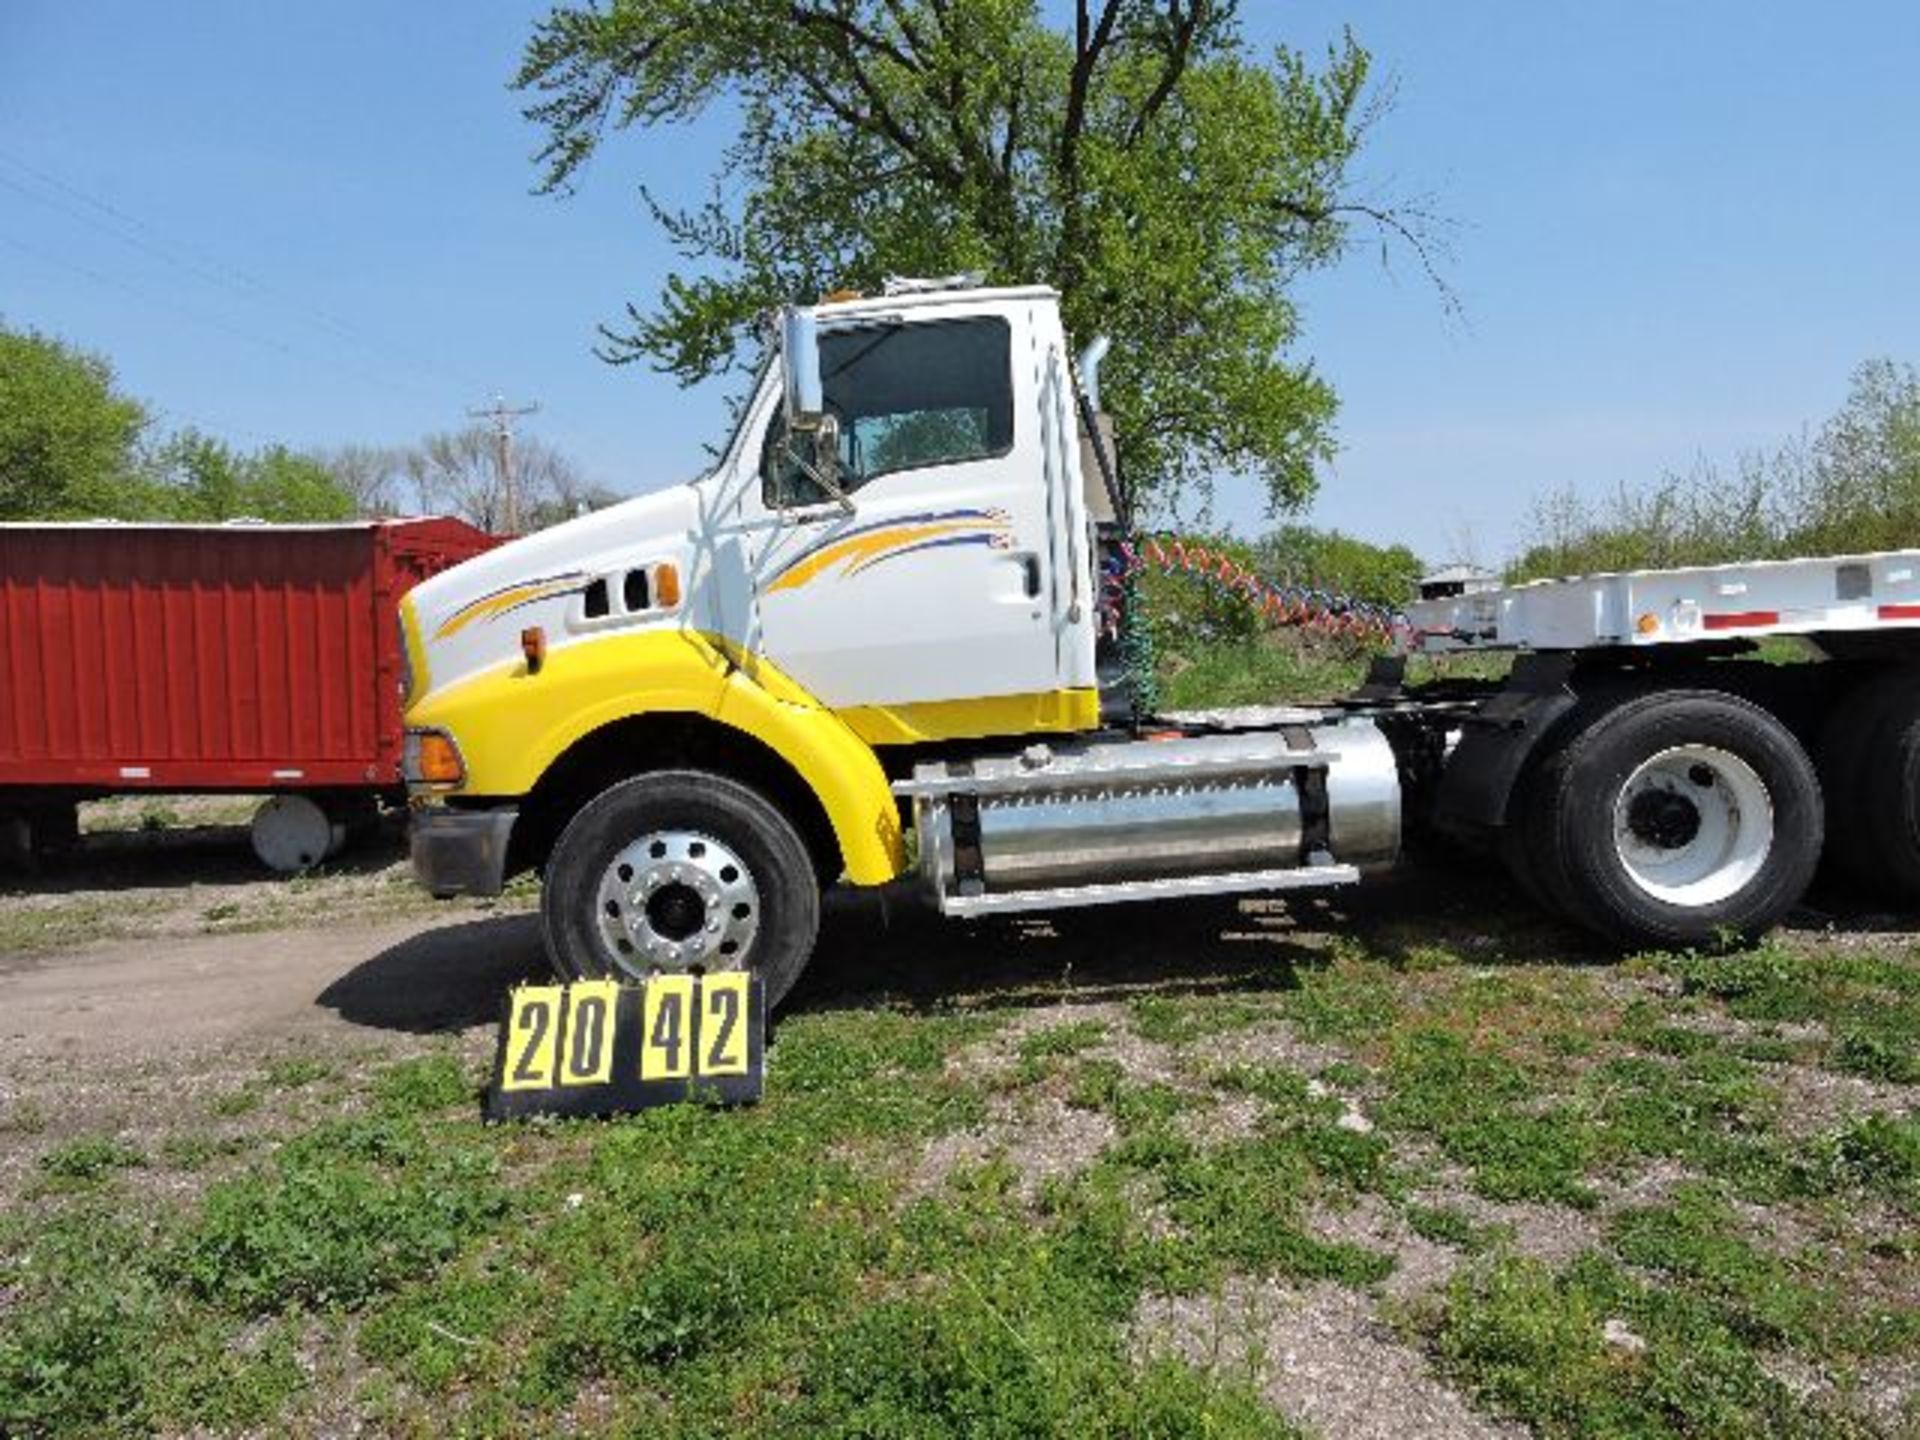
<point x="675" y="902"/>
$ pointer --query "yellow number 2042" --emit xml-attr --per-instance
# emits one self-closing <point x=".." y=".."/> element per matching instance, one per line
<point x="565" y="1035"/>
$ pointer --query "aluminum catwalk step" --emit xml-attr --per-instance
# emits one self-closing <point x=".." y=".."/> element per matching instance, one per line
<point x="1245" y="882"/>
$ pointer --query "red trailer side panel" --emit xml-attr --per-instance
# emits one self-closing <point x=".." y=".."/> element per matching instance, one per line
<point x="194" y="657"/>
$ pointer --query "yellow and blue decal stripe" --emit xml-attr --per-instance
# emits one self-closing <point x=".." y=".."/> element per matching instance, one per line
<point x="510" y="597"/>
<point x="865" y="546"/>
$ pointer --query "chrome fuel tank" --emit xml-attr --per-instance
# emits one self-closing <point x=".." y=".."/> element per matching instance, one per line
<point x="1104" y="815"/>
<point x="1178" y="828"/>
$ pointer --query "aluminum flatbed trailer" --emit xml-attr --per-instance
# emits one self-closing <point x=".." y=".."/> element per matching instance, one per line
<point x="1642" y="773"/>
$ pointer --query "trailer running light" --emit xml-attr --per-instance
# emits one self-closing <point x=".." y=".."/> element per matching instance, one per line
<point x="533" y="645"/>
<point x="1648" y="624"/>
<point x="666" y="586"/>
<point x="431" y="758"/>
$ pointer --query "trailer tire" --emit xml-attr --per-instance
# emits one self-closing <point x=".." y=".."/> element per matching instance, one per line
<point x="680" y="871"/>
<point x="1676" y="818"/>
<point x="1883" y="811"/>
<point x="1855" y="760"/>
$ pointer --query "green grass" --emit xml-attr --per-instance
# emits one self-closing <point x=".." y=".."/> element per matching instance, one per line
<point x="293" y="1072"/>
<point x="1533" y="1344"/>
<point x="788" y="1270"/>
<point x="1276" y="667"/>
<point x="88" y="1158"/>
<point x="1262" y="670"/>
<point x="1042" y="1052"/>
<point x="1868" y="1004"/>
<point x="52" y="923"/>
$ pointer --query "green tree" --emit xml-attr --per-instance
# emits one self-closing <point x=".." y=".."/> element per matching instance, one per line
<point x="67" y="436"/>
<point x="1171" y="183"/>
<point x="1328" y="560"/>
<point x="196" y="477"/>
<point x="282" y="485"/>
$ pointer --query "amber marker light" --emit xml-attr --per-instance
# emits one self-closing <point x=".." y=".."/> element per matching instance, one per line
<point x="666" y="586"/>
<point x="431" y="758"/>
<point x="533" y="645"/>
<point x="1648" y="624"/>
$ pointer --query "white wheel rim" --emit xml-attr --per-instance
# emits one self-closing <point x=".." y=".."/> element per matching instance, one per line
<point x="677" y="902"/>
<point x="1693" y="825"/>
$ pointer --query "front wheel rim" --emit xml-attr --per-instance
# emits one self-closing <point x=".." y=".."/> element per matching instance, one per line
<point x="677" y="902"/>
<point x="1693" y="825"/>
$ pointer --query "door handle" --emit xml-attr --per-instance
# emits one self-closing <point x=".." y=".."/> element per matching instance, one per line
<point x="1030" y="572"/>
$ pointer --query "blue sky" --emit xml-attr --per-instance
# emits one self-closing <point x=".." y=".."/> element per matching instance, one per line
<point x="1678" y="229"/>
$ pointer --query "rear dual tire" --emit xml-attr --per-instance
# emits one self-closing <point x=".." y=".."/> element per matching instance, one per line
<point x="1869" y="763"/>
<point x="1671" y="819"/>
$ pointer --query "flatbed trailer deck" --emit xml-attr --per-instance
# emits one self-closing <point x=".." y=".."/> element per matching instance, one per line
<point x="1873" y="594"/>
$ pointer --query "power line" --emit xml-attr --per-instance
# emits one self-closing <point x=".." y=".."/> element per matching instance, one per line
<point x="118" y="223"/>
<point x="502" y="415"/>
<point x="200" y="317"/>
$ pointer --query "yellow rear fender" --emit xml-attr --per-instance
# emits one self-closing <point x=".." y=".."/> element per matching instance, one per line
<point x="512" y="726"/>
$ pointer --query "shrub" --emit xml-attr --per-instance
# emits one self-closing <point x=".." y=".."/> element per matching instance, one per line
<point x="1853" y="487"/>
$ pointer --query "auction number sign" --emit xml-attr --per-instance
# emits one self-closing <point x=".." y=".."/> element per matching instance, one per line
<point x="598" y="1047"/>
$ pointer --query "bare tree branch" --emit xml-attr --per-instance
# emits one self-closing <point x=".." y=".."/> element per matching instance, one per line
<point x="903" y="18"/>
<point x="857" y="33"/>
<point x="1408" y="225"/>
<point x="1183" y="25"/>
<point x="1090" y="40"/>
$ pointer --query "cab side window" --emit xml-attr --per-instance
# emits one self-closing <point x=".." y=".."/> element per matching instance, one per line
<point x="906" y="397"/>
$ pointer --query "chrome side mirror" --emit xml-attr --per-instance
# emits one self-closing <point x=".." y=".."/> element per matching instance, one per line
<point x="800" y="364"/>
<point x="805" y="404"/>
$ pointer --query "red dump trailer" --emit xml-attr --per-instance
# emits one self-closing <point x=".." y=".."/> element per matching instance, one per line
<point x="242" y="657"/>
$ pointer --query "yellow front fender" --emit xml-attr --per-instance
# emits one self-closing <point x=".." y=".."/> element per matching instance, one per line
<point x="511" y="725"/>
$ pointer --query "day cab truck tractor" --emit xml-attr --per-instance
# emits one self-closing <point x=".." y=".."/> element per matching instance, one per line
<point x="887" y="612"/>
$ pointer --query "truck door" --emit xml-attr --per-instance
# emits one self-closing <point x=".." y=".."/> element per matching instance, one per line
<point x="939" y="584"/>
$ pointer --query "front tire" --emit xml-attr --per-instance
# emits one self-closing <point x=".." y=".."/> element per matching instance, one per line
<point x="680" y="872"/>
<point x="1676" y="819"/>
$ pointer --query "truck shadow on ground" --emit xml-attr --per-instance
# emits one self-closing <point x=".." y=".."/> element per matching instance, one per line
<point x="451" y="978"/>
<point x="886" y="948"/>
<point x="126" y="860"/>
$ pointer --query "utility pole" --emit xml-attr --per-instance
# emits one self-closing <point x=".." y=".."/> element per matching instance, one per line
<point x="502" y="415"/>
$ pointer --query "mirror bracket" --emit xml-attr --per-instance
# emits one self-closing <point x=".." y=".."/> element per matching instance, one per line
<point x="804" y="403"/>
<point x="826" y="435"/>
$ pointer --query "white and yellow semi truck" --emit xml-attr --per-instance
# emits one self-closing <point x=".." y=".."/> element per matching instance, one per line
<point x="881" y="615"/>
